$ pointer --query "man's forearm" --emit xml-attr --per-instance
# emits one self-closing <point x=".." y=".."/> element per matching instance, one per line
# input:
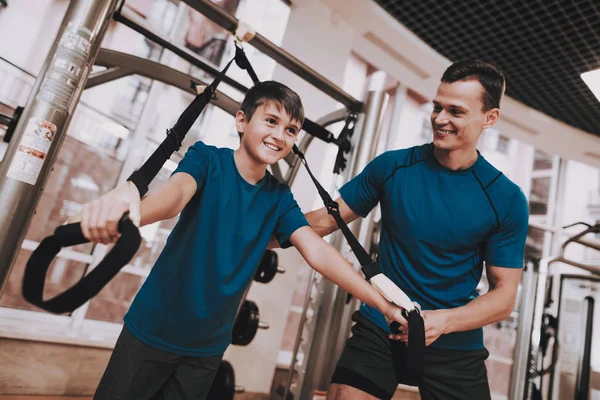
<point x="321" y="222"/>
<point x="496" y="305"/>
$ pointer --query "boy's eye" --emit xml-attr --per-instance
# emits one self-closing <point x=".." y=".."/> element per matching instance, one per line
<point x="271" y="121"/>
<point x="292" y="131"/>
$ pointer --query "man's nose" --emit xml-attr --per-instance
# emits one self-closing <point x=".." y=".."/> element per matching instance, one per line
<point x="441" y="118"/>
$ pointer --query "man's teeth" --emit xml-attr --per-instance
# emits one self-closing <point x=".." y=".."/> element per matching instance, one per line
<point x="445" y="132"/>
<point x="270" y="146"/>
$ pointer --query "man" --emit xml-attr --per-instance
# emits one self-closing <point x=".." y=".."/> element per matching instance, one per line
<point x="445" y="211"/>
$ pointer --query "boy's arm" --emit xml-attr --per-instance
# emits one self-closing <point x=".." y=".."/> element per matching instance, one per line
<point x="323" y="258"/>
<point x="100" y="217"/>
<point x="323" y="223"/>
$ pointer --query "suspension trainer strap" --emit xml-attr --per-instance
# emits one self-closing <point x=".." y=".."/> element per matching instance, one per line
<point x="130" y="239"/>
<point x="408" y="360"/>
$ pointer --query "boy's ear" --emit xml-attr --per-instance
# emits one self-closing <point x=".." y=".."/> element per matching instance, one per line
<point x="240" y="121"/>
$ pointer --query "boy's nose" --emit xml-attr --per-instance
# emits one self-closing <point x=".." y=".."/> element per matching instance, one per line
<point x="278" y="134"/>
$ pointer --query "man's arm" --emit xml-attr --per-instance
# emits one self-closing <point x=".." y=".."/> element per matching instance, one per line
<point x="496" y="305"/>
<point x="323" y="258"/>
<point x="323" y="223"/>
<point x="100" y="217"/>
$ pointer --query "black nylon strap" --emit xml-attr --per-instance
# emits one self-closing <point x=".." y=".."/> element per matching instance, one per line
<point x="90" y="285"/>
<point x="408" y="360"/>
<point x="130" y="239"/>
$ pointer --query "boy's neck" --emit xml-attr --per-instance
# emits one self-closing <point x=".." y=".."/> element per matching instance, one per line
<point x="248" y="168"/>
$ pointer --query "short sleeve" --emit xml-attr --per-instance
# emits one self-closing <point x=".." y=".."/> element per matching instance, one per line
<point x="290" y="219"/>
<point x="361" y="193"/>
<point x="506" y="247"/>
<point x="195" y="163"/>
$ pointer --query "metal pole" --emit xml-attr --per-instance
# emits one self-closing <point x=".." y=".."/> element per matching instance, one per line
<point x="324" y="350"/>
<point x="43" y="125"/>
<point x="536" y="329"/>
<point x="282" y="57"/>
<point x="525" y="324"/>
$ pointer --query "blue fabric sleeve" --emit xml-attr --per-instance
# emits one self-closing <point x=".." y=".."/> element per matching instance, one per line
<point x="506" y="247"/>
<point x="195" y="163"/>
<point x="291" y="218"/>
<point x="361" y="193"/>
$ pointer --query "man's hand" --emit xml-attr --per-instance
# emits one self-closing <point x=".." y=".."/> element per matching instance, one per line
<point x="436" y="323"/>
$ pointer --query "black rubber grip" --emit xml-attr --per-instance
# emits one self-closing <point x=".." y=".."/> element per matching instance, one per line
<point x="91" y="284"/>
<point x="409" y="360"/>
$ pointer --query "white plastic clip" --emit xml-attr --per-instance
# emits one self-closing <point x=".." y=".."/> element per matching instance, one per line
<point x="243" y="33"/>
<point x="200" y="87"/>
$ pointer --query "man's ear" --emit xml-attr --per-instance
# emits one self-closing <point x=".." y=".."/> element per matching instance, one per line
<point x="491" y="117"/>
<point x="240" y="121"/>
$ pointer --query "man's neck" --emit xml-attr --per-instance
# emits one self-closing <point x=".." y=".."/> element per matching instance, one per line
<point x="248" y="168"/>
<point x="456" y="159"/>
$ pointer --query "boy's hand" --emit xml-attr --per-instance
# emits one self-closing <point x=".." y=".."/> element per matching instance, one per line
<point x="100" y="217"/>
<point x="394" y="313"/>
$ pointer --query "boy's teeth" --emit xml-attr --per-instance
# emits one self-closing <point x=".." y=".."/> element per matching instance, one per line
<point x="272" y="147"/>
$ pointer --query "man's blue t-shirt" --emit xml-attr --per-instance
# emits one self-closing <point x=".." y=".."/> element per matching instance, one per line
<point x="188" y="303"/>
<point x="438" y="226"/>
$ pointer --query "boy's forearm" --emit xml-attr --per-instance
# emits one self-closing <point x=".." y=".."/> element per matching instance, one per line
<point x="168" y="201"/>
<point x="334" y="267"/>
<point x="154" y="208"/>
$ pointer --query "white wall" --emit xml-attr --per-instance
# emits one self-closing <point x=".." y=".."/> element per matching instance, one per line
<point x="28" y="50"/>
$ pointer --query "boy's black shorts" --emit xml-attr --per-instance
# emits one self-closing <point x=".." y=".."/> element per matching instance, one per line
<point x="137" y="371"/>
<point x="366" y="364"/>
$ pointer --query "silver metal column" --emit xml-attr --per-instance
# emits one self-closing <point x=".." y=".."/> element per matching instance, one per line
<point x="529" y="331"/>
<point x="43" y="125"/>
<point x="328" y="339"/>
<point x="525" y="324"/>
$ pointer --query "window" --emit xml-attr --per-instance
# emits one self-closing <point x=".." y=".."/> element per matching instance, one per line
<point x="95" y="155"/>
<point x="542" y="161"/>
<point x="492" y="140"/>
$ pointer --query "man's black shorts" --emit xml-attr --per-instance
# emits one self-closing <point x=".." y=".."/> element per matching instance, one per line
<point x="366" y="364"/>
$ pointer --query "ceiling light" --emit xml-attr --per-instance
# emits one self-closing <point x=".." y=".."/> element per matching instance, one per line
<point x="592" y="79"/>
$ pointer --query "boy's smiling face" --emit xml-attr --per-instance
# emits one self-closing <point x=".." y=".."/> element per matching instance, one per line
<point x="269" y="134"/>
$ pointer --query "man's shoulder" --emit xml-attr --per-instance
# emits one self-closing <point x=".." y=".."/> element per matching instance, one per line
<point x="494" y="181"/>
<point x="404" y="157"/>
<point x="505" y="194"/>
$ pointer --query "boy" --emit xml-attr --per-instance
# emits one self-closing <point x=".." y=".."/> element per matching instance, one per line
<point x="180" y="322"/>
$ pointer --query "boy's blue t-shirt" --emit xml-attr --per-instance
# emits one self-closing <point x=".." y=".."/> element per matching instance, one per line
<point x="188" y="303"/>
<point x="438" y="226"/>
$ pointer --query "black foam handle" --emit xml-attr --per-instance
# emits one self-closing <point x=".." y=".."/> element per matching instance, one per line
<point x="91" y="284"/>
<point x="408" y="360"/>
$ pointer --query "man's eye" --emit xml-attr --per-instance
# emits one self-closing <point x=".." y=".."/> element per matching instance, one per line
<point x="437" y="109"/>
<point x="455" y="112"/>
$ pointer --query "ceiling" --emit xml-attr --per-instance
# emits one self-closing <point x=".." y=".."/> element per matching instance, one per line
<point x="542" y="46"/>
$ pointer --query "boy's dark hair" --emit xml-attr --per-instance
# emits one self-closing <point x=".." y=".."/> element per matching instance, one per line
<point x="486" y="74"/>
<point x="266" y="91"/>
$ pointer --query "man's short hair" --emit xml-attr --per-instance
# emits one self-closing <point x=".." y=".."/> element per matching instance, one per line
<point x="486" y="74"/>
<point x="281" y="95"/>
